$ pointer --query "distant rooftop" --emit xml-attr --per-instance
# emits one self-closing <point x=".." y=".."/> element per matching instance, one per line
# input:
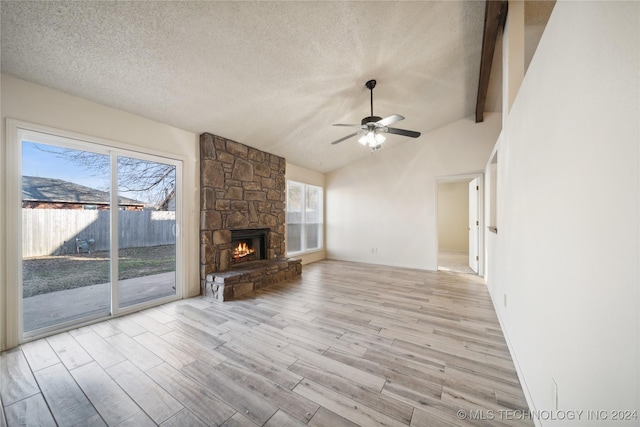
<point x="52" y="190"/>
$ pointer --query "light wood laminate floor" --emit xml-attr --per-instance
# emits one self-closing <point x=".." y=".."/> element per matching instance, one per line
<point x="347" y="344"/>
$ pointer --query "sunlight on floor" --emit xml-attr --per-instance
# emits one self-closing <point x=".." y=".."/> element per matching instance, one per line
<point x="454" y="261"/>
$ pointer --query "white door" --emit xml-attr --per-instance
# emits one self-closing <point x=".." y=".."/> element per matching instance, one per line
<point x="473" y="224"/>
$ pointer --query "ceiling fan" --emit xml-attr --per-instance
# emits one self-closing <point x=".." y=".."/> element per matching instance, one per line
<point x="373" y="127"/>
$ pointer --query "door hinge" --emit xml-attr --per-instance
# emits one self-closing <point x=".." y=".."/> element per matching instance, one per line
<point x="477" y="187"/>
<point x="477" y="222"/>
<point x="477" y="258"/>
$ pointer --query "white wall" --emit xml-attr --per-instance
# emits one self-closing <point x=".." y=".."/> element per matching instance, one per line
<point x="306" y="176"/>
<point x="387" y="201"/>
<point x="567" y="250"/>
<point x="453" y="216"/>
<point x="36" y="104"/>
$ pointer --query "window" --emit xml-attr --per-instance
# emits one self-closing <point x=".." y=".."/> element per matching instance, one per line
<point x="304" y="217"/>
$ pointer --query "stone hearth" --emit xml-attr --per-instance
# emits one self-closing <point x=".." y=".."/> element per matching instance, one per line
<point x="243" y="280"/>
<point x="241" y="188"/>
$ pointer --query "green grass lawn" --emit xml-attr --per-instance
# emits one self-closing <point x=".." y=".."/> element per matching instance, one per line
<point x="42" y="275"/>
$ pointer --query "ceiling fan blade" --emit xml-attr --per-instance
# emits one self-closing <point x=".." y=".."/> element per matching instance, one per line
<point x="389" y="120"/>
<point x="403" y="132"/>
<point x="350" y="126"/>
<point x="346" y="137"/>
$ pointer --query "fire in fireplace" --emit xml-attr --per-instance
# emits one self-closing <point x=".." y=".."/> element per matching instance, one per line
<point x="242" y="250"/>
<point x="248" y="245"/>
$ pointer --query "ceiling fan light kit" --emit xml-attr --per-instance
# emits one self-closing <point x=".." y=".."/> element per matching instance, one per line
<point x="373" y="127"/>
<point x="372" y="139"/>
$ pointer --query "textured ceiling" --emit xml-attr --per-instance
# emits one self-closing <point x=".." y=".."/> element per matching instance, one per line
<point x="272" y="75"/>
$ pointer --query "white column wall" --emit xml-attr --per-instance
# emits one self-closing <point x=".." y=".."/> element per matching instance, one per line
<point x="563" y="270"/>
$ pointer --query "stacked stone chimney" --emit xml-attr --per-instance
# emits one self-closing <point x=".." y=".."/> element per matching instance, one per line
<point x="240" y="188"/>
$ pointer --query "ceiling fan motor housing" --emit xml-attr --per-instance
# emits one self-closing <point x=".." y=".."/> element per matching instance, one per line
<point x="370" y="119"/>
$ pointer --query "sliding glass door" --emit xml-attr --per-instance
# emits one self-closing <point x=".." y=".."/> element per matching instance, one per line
<point x="99" y="231"/>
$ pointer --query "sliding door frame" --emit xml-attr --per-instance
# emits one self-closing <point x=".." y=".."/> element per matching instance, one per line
<point x="15" y="132"/>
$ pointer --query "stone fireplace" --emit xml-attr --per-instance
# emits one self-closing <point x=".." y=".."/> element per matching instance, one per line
<point x="242" y="200"/>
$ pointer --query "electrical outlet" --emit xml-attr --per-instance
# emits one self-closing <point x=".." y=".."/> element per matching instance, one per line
<point x="554" y="395"/>
<point x="374" y="250"/>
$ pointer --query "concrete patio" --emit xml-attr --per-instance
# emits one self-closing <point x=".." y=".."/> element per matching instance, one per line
<point x="56" y="307"/>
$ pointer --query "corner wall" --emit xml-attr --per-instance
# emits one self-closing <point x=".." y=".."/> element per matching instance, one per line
<point x="382" y="209"/>
<point x="37" y="104"/>
<point x="563" y="270"/>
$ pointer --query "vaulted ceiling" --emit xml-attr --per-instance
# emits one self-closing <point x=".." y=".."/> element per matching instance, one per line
<point x="273" y="75"/>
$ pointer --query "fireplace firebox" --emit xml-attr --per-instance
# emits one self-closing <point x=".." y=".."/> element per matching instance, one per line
<point x="248" y="245"/>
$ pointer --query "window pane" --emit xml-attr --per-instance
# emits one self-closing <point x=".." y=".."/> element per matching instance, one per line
<point x="294" y="237"/>
<point x="313" y="235"/>
<point x="65" y="235"/>
<point x="314" y="205"/>
<point x="294" y="203"/>
<point x="313" y="217"/>
<point x="295" y="200"/>
<point x="304" y="217"/>
<point x="146" y="229"/>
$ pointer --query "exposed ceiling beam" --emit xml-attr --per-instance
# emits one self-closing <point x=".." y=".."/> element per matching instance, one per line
<point x="495" y="15"/>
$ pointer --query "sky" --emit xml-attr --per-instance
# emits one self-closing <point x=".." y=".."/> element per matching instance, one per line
<point x="38" y="162"/>
<point x="49" y="161"/>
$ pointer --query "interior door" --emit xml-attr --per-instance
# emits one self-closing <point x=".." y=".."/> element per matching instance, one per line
<point x="473" y="224"/>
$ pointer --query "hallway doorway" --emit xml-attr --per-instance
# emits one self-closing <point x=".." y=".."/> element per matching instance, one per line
<point x="459" y="223"/>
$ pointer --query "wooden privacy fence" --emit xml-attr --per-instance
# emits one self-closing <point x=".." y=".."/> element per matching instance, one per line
<point x="54" y="231"/>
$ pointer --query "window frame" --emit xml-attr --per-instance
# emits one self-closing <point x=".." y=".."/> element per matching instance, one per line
<point x="303" y="223"/>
